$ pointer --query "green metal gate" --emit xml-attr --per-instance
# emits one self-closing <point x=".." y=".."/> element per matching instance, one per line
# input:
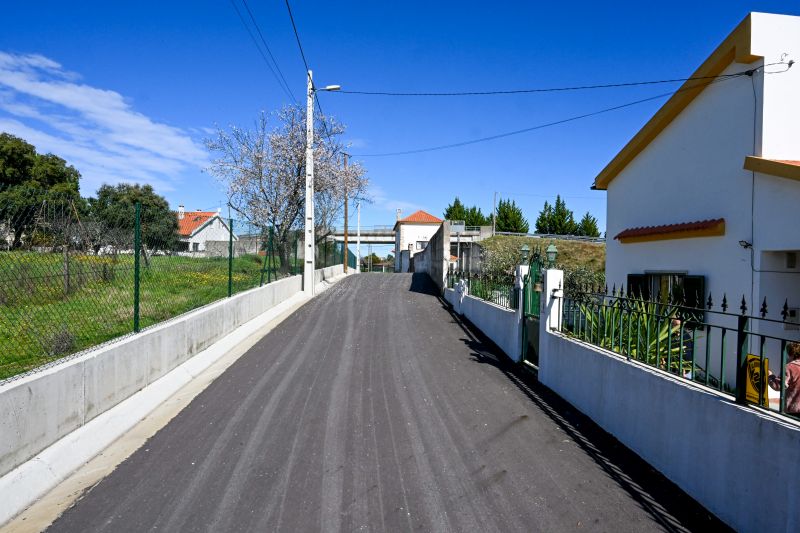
<point x="531" y="306"/>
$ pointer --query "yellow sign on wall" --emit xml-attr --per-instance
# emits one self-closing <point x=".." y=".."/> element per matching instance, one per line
<point x="757" y="380"/>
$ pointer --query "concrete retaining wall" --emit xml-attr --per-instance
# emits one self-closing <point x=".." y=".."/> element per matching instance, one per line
<point x="739" y="462"/>
<point x="501" y="325"/>
<point x="327" y="273"/>
<point x="38" y="410"/>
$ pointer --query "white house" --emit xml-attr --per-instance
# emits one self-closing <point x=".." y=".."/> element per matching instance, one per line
<point x="705" y="199"/>
<point x="411" y="235"/>
<point x="197" y="228"/>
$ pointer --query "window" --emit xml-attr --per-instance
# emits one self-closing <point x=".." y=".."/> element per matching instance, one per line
<point x="791" y="259"/>
<point x="669" y="287"/>
<point x="421" y="245"/>
<point x="195" y="246"/>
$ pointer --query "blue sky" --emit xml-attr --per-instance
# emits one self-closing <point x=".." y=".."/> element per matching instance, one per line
<point x="128" y="91"/>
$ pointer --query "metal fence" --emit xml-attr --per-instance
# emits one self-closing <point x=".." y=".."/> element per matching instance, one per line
<point x="735" y="353"/>
<point x="498" y="290"/>
<point x="329" y="253"/>
<point x="73" y="276"/>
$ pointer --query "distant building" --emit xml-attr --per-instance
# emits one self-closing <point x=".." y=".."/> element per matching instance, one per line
<point x="412" y="234"/>
<point x="197" y="229"/>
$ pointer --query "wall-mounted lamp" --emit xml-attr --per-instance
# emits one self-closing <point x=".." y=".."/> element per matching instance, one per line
<point x="745" y="244"/>
<point x="552" y="253"/>
<point x="524" y="250"/>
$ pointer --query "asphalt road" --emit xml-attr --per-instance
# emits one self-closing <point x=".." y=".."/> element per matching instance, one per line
<point x="373" y="408"/>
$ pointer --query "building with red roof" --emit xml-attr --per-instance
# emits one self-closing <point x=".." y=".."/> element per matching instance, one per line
<point x="411" y="235"/>
<point x="199" y="228"/>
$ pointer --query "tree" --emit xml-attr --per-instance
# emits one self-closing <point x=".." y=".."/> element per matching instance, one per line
<point x="28" y="179"/>
<point x="472" y="216"/>
<point x="475" y="217"/>
<point x="544" y="222"/>
<point x="263" y="170"/>
<point x="115" y="209"/>
<point x="510" y="218"/>
<point x="588" y="226"/>
<point x="455" y="211"/>
<point x="557" y="219"/>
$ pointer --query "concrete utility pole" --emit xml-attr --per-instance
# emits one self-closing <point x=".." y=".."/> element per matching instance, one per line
<point x="346" y="252"/>
<point x="358" y="240"/>
<point x="309" y="261"/>
<point x="308" y="265"/>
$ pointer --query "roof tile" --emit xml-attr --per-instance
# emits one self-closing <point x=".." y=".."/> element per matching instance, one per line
<point x="647" y="231"/>
<point x="421" y="217"/>
<point x="193" y="220"/>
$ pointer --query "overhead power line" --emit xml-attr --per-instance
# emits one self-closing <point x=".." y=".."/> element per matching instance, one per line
<point x="279" y="78"/>
<point x="266" y="46"/>
<point x="548" y="89"/>
<point x="305" y="63"/>
<point x="297" y="35"/>
<point x="549" y="124"/>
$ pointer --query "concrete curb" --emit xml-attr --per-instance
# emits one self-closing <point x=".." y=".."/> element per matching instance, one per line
<point x="24" y="485"/>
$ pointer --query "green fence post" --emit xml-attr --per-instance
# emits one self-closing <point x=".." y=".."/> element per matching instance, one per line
<point x="137" y="250"/>
<point x="230" y="259"/>
<point x="264" y="266"/>
<point x="271" y="258"/>
<point x="296" y="240"/>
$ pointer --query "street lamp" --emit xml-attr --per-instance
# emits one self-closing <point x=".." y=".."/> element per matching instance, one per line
<point x="552" y="253"/>
<point x="308" y="266"/>
<point x="525" y="250"/>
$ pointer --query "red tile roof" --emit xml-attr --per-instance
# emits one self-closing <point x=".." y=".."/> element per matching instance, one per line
<point x="192" y="220"/>
<point x="421" y="217"/>
<point x="699" y="228"/>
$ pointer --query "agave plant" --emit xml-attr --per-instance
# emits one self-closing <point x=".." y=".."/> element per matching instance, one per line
<point x="646" y="331"/>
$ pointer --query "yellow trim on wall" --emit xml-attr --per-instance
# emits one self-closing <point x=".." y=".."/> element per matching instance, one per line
<point x="772" y="167"/>
<point x="716" y="230"/>
<point x="735" y="47"/>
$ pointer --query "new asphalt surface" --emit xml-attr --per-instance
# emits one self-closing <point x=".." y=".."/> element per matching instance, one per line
<point x="373" y="408"/>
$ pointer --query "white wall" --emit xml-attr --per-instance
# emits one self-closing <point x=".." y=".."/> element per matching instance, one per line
<point x="694" y="171"/>
<point x="215" y="230"/>
<point x="37" y="410"/>
<point x="412" y="234"/>
<point x="500" y="324"/>
<point x="691" y="171"/>
<point x="772" y="37"/>
<point x="323" y="274"/>
<point x="737" y="461"/>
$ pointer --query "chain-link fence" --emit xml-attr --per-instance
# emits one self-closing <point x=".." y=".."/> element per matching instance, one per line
<point x="330" y="252"/>
<point x="74" y="275"/>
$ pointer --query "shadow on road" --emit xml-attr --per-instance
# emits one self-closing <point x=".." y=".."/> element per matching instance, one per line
<point x="669" y="506"/>
<point x="422" y="283"/>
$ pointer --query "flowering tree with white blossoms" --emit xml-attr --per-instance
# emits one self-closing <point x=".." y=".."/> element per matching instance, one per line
<point x="264" y="168"/>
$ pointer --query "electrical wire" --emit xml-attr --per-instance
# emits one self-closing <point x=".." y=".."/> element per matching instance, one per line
<point x="305" y="63"/>
<point x="261" y="52"/>
<point x="535" y="90"/>
<point x="266" y="46"/>
<point x="297" y="35"/>
<point x="548" y="124"/>
<point x="569" y="88"/>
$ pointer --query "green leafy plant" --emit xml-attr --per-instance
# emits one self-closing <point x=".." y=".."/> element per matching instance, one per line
<point x="646" y="331"/>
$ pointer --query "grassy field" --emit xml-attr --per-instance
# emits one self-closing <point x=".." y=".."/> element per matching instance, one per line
<point x="572" y="254"/>
<point x="46" y="314"/>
